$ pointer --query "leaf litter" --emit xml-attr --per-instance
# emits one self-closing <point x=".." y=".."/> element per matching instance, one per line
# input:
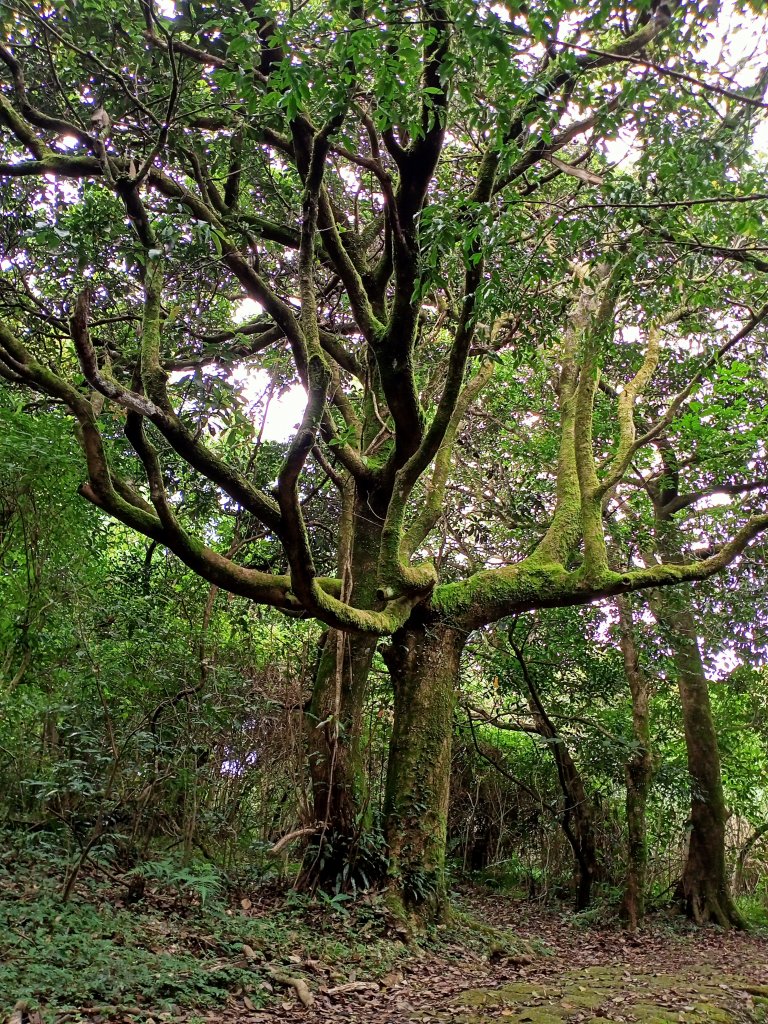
<point x="499" y="960"/>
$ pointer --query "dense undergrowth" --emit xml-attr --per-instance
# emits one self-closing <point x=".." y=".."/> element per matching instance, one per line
<point x="170" y="940"/>
<point x="190" y="941"/>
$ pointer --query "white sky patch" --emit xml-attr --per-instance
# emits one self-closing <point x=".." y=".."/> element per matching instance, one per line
<point x="349" y="177"/>
<point x="283" y="411"/>
<point x="247" y="310"/>
<point x="715" y="500"/>
<point x="631" y="335"/>
<point x="276" y="413"/>
<point x="622" y="150"/>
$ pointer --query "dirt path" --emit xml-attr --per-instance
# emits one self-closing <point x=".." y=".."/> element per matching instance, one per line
<point x="572" y="976"/>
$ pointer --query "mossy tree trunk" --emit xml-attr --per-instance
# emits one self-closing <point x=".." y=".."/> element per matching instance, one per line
<point x="638" y="772"/>
<point x="703" y="890"/>
<point x="337" y="854"/>
<point x="424" y="664"/>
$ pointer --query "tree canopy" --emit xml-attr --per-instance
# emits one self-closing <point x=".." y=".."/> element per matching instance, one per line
<point x="385" y="184"/>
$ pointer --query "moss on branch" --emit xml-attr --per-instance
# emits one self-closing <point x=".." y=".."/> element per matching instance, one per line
<point x="533" y="583"/>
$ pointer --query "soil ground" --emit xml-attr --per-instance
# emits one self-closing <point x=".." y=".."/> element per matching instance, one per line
<point x="572" y="975"/>
<point x="551" y="972"/>
<point x="250" y="960"/>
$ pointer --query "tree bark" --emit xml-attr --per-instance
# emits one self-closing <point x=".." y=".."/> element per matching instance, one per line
<point x="424" y="664"/>
<point x="338" y="854"/>
<point x="337" y="768"/>
<point x="577" y="819"/>
<point x="638" y="772"/>
<point x="703" y="890"/>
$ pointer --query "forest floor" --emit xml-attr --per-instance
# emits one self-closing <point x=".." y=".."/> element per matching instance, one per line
<point x="179" y="956"/>
<point x="553" y="969"/>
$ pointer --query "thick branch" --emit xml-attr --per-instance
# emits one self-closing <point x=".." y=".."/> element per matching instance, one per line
<point x="432" y="507"/>
<point x="626" y="416"/>
<point x="496" y="593"/>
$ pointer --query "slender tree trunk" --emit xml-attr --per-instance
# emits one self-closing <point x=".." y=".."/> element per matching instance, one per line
<point x="577" y="822"/>
<point x="703" y="890"/>
<point x="336" y="761"/>
<point x="744" y="852"/>
<point x="334" y="722"/>
<point x="424" y="664"/>
<point x="577" y="819"/>
<point x="638" y="772"/>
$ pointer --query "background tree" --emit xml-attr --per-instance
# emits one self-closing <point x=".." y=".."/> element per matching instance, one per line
<point x="639" y="767"/>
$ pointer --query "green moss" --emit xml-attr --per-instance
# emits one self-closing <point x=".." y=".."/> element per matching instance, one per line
<point x="477" y="997"/>
<point x="589" y="999"/>
<point x="708" y="1012"/>
<point x="526" y="1015"/>
<point x="698" y="1000"/>
<point x="538" y="1015"/>
<point x="650" y="1013"/>
<point x="504" y="996"/>
<point x="490" y="592"/>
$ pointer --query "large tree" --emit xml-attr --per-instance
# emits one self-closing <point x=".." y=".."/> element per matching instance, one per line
<point x="409" y="193"/>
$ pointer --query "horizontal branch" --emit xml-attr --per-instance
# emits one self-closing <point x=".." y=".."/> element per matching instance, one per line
<point x="496" y="593"/>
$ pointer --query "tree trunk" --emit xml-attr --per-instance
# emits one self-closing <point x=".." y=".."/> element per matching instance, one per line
<point x="576" y="820"/>
<point x="336" y="856"/>
<point x="424" y="665"/>
<point x="638" y="772"/>
<point x="339" y="854"/>
<point x="703" y="890"/>
<point x="744" y="852"/>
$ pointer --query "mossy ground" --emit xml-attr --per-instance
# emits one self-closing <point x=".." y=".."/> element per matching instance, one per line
<point x="595" y="995"/>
